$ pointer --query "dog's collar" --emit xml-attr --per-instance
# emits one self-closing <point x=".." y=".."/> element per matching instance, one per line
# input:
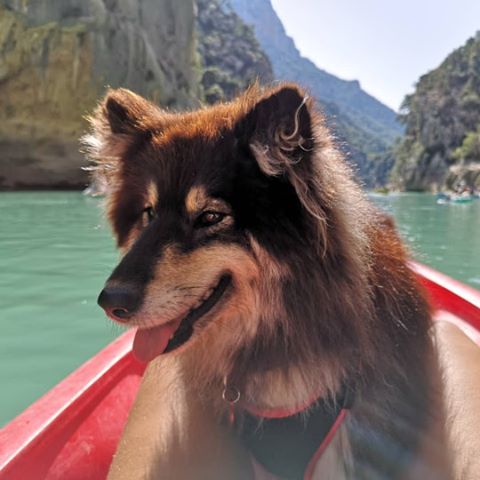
<point x="289" y="442"/>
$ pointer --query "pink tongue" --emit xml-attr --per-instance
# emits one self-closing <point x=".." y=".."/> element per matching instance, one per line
<point x="151" y="342"/>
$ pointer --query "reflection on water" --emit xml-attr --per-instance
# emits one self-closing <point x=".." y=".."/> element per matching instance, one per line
<point x="56" y="252"/>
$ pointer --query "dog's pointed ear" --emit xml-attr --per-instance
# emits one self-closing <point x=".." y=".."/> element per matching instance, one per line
<point x="126" y="112"/>
<point x="278" y="130"/>
<point x="280" y="118"/>
<point x="120" y="119"/>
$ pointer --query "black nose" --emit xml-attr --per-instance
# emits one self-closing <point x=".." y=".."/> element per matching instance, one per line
<point x="119" y="302"/>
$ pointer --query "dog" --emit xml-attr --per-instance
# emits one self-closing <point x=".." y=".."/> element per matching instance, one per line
<point x="260" y="279"/>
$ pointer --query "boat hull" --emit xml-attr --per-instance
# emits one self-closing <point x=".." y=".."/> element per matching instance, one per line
<point x="73" y="430"/>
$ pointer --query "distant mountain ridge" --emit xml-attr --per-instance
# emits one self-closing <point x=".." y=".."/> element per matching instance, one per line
<point x="369" y="126"/>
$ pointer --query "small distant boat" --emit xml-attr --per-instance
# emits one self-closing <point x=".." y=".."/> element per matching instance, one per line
<point x="73" y="430"/>
<point x="461" y="198"/>
<point x="444" y="198"/>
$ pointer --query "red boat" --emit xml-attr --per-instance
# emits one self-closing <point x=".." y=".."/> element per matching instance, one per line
<point x="72" y="431"/>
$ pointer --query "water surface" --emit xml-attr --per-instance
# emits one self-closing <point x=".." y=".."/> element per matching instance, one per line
<point x="56" y="252"/>
<point x="446" y="237"/>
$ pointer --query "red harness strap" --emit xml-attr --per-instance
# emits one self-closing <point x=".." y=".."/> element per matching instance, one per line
<point x="289" y="442"/>
<point x="325" y="443"/>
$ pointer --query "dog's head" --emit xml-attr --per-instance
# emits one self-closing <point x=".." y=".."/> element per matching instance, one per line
<point x="230" y="222"/>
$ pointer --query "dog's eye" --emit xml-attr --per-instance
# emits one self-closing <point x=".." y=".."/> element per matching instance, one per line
<point x="147" y="215"/>
<point x="207" y="219"/>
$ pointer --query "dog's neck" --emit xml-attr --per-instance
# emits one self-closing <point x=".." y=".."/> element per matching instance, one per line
<point x="265" y="374"/>
<point x="293" y="389"/>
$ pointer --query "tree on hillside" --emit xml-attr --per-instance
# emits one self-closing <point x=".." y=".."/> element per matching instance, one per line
<point x="469" y="151"/>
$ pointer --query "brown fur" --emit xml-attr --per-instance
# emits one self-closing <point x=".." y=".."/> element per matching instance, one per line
<point x="341" y="308"/>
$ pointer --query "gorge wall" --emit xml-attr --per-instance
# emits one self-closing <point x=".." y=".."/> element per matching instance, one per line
<point x="57" y="57"/>
<point x="441" y="146"/>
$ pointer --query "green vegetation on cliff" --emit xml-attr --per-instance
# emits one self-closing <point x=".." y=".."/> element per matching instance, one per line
<point x="441" y="145"/>
<point x="230" y="54"/>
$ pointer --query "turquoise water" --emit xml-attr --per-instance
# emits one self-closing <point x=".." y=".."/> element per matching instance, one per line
<point x="446" y="237"/>
<point x="56" y="252"/>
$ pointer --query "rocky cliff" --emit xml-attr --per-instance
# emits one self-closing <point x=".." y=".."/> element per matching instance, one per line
<point x="441" y="146"/>
<point x="57" y="56"/>
<point x="366" y="128"/>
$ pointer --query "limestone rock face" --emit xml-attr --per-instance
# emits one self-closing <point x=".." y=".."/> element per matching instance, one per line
<point x="56" y="59"/>
<point x="466" y="174"/>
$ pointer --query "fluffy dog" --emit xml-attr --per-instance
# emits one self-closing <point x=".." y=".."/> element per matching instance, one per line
<point x="257" y="272"/>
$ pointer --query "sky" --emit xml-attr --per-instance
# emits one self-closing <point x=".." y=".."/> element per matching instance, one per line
<point x="385" y="44"/>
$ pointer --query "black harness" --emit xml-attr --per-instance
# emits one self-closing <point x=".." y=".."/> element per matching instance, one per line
<point x="286" y="446"/>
